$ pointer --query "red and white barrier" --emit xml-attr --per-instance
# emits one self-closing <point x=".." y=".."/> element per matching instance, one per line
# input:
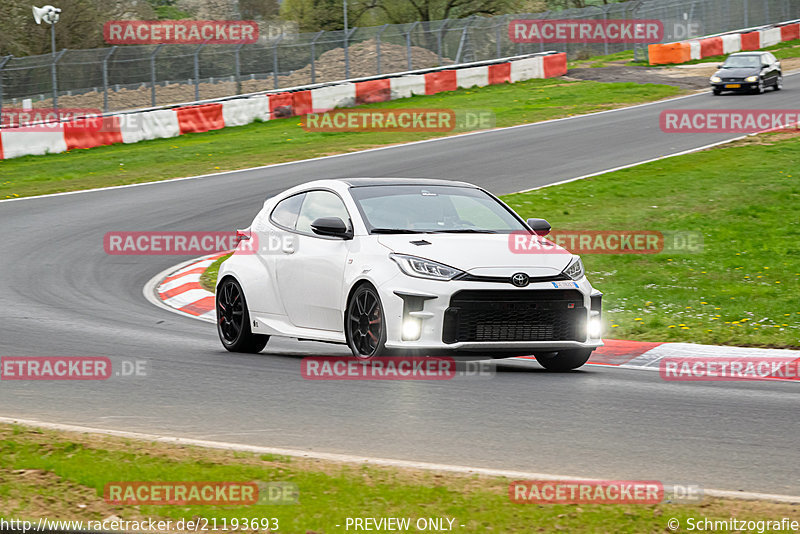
<point x="671" y="53"/>
<point x="471" y="77"/>
<point x="407" y="86"/>
<point x="135" y="127"/>
<point x="333" y="96"/>
<point x="32" y="141"/>
<point x="526" y="69"/>
<point x="731" y="43"/>
<point x="243" y="111"/>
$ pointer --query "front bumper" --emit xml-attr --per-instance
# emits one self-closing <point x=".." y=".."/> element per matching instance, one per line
<point x="743" y="86"/>
<point x="494" y="317"/>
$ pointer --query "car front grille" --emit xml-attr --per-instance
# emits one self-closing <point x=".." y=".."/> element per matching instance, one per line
<point x="515" y="315"/>
<point x="732" y="80"/>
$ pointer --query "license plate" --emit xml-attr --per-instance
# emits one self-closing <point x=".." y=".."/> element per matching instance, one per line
<point x="733" y="86"/>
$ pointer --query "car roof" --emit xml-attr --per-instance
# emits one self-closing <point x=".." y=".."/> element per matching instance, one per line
<point x="366" y="182"/>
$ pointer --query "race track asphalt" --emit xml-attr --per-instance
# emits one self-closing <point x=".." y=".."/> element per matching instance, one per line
<point x="61" y="295"/>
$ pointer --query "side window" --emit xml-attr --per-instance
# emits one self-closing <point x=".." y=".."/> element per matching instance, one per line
<point x="320" y="204"/>
<point x="285" y="213"/>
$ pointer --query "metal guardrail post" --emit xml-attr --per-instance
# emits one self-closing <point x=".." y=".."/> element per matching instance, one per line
<point x="3" y="62"/>
<point x="467" y="22"/>
<point x="347" y="34"/>
<point x="197" y="70"/>
<point x="153" y="74"/>
<point x="314" y="56"/>
<point x="275" y="60"/>
<point x="54" y="77"/>
<point x="378" y="46"/>
<point x="439" y="39"/>
<point x="105" y="78"/>
<point x="237" y="68"/>
<point x="408" y="44"/>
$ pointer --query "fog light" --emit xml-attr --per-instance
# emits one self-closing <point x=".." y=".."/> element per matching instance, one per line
<point x="595" y="327"/>
<point x="411" y="329"/>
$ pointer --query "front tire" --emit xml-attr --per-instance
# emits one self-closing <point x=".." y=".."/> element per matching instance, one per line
<point x="563" y="360"/>
<point x="778" y="83"/>
<point x="365" y="324"/>
<point x="233" y="320"/>
<point x="759" y="90"/>
<point x="717" y="92"/>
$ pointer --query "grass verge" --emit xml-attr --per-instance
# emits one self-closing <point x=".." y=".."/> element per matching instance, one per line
<point x="208" y="280"/>
<point x="285" y="140"/>
<point x="741" y="289"/>
<point x="61" y="475"/>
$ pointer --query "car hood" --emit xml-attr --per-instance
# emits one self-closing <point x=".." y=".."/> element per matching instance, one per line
<point x="738" y="73"/>
<point x="481" y="254"/>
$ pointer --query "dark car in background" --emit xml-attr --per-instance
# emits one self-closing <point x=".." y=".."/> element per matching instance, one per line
<point x="748" y="71"/>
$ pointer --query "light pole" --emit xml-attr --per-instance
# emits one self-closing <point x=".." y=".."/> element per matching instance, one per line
<point x="50" y="15"/>
<point x="346" y="50"/>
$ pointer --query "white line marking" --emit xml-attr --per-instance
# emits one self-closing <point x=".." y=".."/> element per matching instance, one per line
<point x="355" y="459"/>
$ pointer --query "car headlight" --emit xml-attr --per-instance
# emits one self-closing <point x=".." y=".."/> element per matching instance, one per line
<point x="751" y="79"/>
<point x="422" y="268"/>
<point x="716" y="79"/>
<point x="575" y="269"/>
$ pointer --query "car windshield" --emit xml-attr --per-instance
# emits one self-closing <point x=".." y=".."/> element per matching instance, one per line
<point x="738" y="62"/>
<point x="438" y="209"/>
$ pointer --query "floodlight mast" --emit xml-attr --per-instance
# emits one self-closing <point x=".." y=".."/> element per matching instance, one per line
<point x="50" y="15"/>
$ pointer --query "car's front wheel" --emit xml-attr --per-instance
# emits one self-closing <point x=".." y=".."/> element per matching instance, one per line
<point x="779" y="83"/>
<point x="717" y="92"/>
<point x="233" y="320"/>
<point x="760" y="87"/>
<point x="365" y="323"/>
<point x="563" y="360"/>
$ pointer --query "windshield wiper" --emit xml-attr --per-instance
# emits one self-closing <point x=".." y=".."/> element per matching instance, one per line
<point x="396" y="231"/>
<point x="463" y="231"/>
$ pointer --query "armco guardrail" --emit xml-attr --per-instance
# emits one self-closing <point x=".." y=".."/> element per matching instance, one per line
<point x="743" y="40"/>
<point x="132" y="127"/>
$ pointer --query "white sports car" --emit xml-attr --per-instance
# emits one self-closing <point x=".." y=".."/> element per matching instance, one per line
<point x="405" y="265"/>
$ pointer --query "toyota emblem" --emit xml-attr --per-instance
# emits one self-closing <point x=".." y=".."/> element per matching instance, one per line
<point x="520" y="279"/>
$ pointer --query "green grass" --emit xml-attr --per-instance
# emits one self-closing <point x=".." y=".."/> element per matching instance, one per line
<point x="741" y="290"/>
<point x="285" y="140"/>
<point x="208" y="280"/>
<point x="62" y="476"/>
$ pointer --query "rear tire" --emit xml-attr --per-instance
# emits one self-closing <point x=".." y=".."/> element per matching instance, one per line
<point x="233" y="320"/>
<point x="563" y="360"/>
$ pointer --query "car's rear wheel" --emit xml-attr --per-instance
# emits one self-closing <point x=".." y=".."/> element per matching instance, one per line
<point x="365" y="323"/>
<point x="233" y="320"/>
<point x="778" y="83"/>
<point x="563" y="360"/>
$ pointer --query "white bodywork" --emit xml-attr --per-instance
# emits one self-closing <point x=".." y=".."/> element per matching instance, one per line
<point x="302" y="291"/>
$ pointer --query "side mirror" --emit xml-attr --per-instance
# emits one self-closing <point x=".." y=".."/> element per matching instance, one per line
<point x="539" y="226"/>
<point x="766" y="66"/>
<point x="331" y="226"/>
<point x="720" y="66"/>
